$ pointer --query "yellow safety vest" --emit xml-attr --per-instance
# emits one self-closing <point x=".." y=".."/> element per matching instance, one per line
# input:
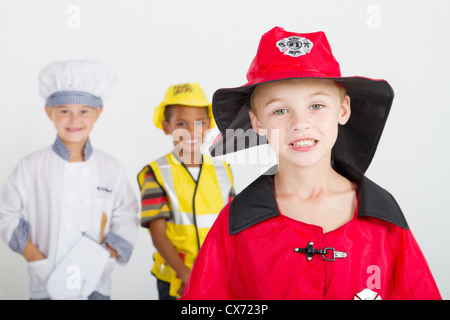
<point x="194" y="207"/>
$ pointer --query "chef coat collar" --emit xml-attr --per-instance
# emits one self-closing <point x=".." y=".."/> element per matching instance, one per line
<point x="257" y="203"/>
<point x="64" y="153"/>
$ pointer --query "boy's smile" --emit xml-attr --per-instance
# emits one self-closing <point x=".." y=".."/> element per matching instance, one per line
<point x="300" y="118"/>
<point x="303" y="145"/>
<point x="74" y="130"/>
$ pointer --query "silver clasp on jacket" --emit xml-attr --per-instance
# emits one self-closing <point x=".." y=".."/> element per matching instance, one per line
<point x="335" y="254"/>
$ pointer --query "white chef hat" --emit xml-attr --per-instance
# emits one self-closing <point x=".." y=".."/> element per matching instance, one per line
<point x="86" y="82"/>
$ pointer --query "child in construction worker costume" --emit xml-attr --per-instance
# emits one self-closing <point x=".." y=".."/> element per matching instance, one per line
<point x="183" y="191"/>
<point x="318" y="228"/>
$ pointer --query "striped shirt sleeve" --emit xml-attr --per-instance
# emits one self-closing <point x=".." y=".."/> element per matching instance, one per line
<point x="154" y="201"/>
<point x="231" y="195"/>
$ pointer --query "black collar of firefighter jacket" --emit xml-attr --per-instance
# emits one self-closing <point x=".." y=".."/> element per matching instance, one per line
<point x="257" y="202"/>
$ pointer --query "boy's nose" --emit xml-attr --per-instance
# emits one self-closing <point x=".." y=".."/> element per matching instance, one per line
<point x="196" y="127"/>
<point x="74" y="117"/>
<point x="193" y="130"/>
<point x="299" y="121"/>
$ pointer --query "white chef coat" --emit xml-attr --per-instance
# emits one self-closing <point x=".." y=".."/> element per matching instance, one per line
<point x="56" y="201"/>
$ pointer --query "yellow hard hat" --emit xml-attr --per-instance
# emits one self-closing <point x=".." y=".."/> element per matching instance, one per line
<point x="185" y="94"/>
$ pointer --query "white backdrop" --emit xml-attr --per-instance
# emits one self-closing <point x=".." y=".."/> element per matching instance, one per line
<point x="152" y="44"/>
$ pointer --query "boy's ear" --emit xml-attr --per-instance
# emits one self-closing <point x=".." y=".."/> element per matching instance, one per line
<point x="99" y="112"/>
<point x="48" y="111"/>
<point x="165" y="126"/>
<point x="208" y="123"/>
<point x="345" y="111"/>
<point x="256" y="125"/>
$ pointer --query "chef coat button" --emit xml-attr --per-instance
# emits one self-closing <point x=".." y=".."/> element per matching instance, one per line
<point x="86" y="171"/>
<point x="71" y="171"/>
<point x="68" y="226"/>
<point x="87" y="201"/>
<point x="83" y="227"/>
<point x="71" y="198"/>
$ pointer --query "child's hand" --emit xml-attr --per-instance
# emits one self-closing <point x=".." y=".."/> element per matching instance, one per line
<point x="184" y="278"/>
<point x="184" y="274"/>
<point x="31" y="252"/>
<point x="112" y="251"/>
<point x="180" y="291"/>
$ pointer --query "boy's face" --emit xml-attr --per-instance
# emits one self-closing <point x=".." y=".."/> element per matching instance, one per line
<point x="73" y="122"/>
<point x="188" y="126"/>
<point x="300" y="118"/>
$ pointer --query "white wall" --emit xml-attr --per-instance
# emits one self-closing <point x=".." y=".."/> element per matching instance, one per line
<point x="153" y="44"/>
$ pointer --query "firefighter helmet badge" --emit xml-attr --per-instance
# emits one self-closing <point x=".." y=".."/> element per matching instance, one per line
<point x="295" y="46"/>
<point x="367" y="294"/>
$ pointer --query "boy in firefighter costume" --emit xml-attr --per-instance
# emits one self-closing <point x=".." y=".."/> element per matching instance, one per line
<point x="318" y="228"/>
<point x="81" y="213"/>
<point x="183" y="191"/>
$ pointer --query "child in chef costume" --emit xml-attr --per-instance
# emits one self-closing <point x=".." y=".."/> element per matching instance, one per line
<point x="318" y="228"/>
<point x="183" y="191"/>
<point x="81" y="213"/>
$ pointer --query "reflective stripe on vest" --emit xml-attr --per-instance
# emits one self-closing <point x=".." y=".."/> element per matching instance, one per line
<point x="186" y="218"/>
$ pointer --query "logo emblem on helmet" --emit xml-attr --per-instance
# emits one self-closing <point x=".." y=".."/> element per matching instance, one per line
<point x="295" y="46"/>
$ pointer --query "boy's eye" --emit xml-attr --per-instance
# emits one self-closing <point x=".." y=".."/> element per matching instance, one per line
<point x="280" y="112"/>
<point x="316" y="107"/>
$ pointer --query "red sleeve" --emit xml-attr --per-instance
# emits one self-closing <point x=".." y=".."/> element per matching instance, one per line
<point x="210" y="274"/>
<point x="412" y="276"/>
